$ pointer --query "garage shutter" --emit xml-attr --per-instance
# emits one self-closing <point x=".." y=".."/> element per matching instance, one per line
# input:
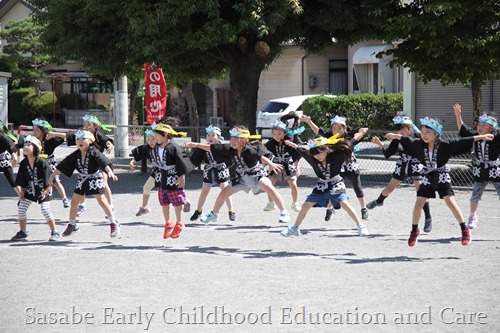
<point x="434" y="100"/>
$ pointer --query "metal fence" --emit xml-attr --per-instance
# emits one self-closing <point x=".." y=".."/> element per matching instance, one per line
<point x="373" y="165"/>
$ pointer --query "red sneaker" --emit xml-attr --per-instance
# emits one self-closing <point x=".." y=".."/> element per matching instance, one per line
<point x="466" y="237"/>
<point x="413" y="238"/>
<point x="167" y="231"/>
<point x="177" y="230"/>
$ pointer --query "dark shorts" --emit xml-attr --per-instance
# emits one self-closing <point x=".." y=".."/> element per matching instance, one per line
<point x="90" y="186"/>
<point x="405" y="169"/>
<point x="428" y="191"/>
<point x="174" y="197"/>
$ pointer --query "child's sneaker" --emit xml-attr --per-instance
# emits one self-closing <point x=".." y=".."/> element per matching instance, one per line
<point x="177" y="230"/>
<point x="472" y="221"/>
<point x="187" y="207"/>
<point x="291" y="231"/>
<point x="362" y="230"/>
<point x="196" y="215"/>
<point x="284" y="217"/>
<point x="81" y="210"/>
<point x="143" y="211"/>
<point x="210" y="217"/>
<point x="296" y="207"/>
<point x="428" y="225"/>
<point x="20" y="236"/>
<point x="364" y="214"/>
<point x="373" y="204"/>
<point x="329" y="213"/>
<point x="269" y="207"/>
<point x="70" y="229"/>
<point x="466" y="237"/>
<point x="413" y="237"/>
<point x="167" y="230"/>
<point x="232" y="216"/>
<point x="115" y="229"/>
<point x="66" y="202"/>
<point x="54" y="236"/>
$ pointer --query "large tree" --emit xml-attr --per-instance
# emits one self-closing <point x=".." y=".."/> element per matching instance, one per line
<point x="450" y="41"/>
<point x="198" y="39"/>
<point x="24" y="50"/>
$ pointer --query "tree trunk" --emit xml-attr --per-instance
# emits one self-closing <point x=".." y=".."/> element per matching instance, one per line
<point x="476" y="101"/>
<point x="134" y="90"/>
<point x="187" y="88"/>
<point x="245" y="69"/>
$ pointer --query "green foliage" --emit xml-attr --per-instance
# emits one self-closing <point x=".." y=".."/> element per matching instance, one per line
<point x="19" y="114"/>
<point x="365" y="110"/>
<point x="40" y="105"/>
<point x="71" y="101"/>
<point x="24" y="50"/>
<point x="450" y="41"/>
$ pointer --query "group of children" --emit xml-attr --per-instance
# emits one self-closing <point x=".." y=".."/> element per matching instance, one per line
<point x="244" y="164"/>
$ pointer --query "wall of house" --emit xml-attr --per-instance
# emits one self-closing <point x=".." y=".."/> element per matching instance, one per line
<point x="283" y="78"/>
<point x="319" y="66"/>
<point x="17" y="12"/>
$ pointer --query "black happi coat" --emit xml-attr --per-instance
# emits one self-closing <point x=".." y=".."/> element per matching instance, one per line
<point x="329" y="179"/>
<point x="34" y="180"/>
<point x="48" y="147"/>
<point x="173" y="164"/>
<point x="5" y="152"/>
<point x="248" y="163"/>
<point x="434" y="169"/>
<point x="90" y="179"/>
<point x="487" y="153"/>
<point x="145" y="152"/>
<point x="223" y="167"/>
<point x="283" y="154"/>
<point x="351" y="164"/>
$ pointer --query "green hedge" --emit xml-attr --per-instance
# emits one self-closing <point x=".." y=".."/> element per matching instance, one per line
<point x="365" y="110"/>
<point x="24" y="106"/>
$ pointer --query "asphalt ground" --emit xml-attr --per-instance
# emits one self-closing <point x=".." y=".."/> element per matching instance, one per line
<point x="243" y="276"/>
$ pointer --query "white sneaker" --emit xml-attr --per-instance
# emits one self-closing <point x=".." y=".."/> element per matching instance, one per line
<point x="284" y="217"/>
<point x="269" y="207"/>
<point x="291" y="231"/>
<point x="472" y="221"/>
<point x="296" y="207"/>
<point x="362" y="230"/>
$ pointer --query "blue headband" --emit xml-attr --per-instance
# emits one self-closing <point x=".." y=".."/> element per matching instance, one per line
<point x="488" y="120"/>
<point x="433" y="124"/>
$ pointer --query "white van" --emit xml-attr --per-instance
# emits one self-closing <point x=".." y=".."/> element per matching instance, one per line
<point x="276" y="108"/>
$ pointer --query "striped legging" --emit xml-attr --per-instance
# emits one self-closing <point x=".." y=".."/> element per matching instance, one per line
<point x="25" y="204"/>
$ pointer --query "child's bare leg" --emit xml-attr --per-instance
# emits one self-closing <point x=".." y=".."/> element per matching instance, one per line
<point x="417" y="209"/>
<point x="229" y="201"/>
<point x="391" y="186"/>
<point x="306" y="206"/>
<point x="103" y="202"/>
<point x="73" y="208"/>
<point x="178" y="213"/>
<point x="107" y="190"/>
<point x="203" y="197"/>
<point x="350" y="211"/>
<point x="274" y="195"/>
<point x="222" y="197"/>
<point x="273" y="181"/>
<point x="166" y="212"/>
<point x="293" y="188"/>
<point x="452" y="205"/>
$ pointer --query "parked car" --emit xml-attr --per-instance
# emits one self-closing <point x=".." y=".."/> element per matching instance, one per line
<point x="276" y="108"/>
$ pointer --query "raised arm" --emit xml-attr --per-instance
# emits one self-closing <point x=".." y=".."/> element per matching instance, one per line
<point x="312" y="125"/>
<point x="204" y="146"/>
<point x="457" y="108"/>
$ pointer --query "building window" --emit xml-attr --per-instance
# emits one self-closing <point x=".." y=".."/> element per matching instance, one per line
<point x="338" y="77"/>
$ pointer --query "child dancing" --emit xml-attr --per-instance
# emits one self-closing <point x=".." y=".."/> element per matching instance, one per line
<point x="250" y="172"/>
<point x="487" y="153"/>
<point x="7" y="156"/>
<point x="434" y="152"/>
<point x="215" y="172"/>
<point x="41" y="129"/>
<point x="33" y="179"/>
<point x="326" y="156"/>
<point x="173" y="165"/>
<point x="141" y="153"/>
<point x="406" y="165"/>
<point x="288" y="158"/>
<point x="350" y="169"/>
<point x="88" y="161"/>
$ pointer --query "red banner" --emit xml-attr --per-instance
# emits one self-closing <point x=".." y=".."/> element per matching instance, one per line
<point x="155" y="93"/>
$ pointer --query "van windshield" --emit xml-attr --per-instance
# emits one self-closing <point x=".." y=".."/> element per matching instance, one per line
<point x="274" y="107"/>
